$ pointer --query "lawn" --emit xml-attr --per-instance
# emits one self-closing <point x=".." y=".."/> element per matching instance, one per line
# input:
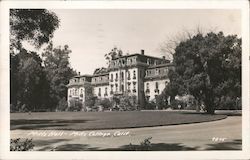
<point x="105" y="120"/>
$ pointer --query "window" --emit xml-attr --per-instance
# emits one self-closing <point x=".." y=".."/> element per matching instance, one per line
<point x="116" y="87"/>
<point x="106" y="91"/>
<point x="134" y="87"/>
<point x="81" y="93"/>
<point x="116" y="77"/>
<point x="156" y="72"/>
<point x="122" y="76"/>
<point x="166" y="83"/>
<point x="122" y="88"/>
<point x="134" y="74"/>
<point x="156" y="87"/>
<point x="129" y="86"/>
<point x="99" y="93"/>
<point x="147" y="88"/>
<point x="76" y="92"/>
<point x="111" y="92"/>
<point x="111" y="77"/>
<point x="128" y="75"/>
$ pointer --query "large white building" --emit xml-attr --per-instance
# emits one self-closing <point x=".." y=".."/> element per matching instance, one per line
<point x="136" y="74"/>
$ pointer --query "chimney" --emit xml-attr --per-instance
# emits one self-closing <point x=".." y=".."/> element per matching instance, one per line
<point x="79" y="73"/>
<point x="163" y="57"/>
<point x="142" y="52"/>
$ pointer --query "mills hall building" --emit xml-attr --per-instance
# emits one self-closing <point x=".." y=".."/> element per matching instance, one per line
<point x="137" y="74"/>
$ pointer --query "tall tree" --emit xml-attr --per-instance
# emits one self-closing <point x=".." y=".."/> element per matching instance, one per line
<point x="26" y="73"/>
<point x="31" y="89"/>
<point x="58" y="72"/>
<point x="33" y="25"/>
<point x="209" y="68"/>
<point x="114" y="53"/>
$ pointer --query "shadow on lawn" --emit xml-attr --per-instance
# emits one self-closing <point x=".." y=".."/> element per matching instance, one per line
<point x="130" y="147"/>
<point x="232" y="145"/>
<point x="217" y="113"/>
<point x="39" y="124"/>
<point x="39" y="143"/>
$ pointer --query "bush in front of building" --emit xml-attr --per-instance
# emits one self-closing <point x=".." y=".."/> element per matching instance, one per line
<point x="228" y="103"/>
<point x="150" y="105"/>
<point x="105" y="103"/>
<point x="128" y="103"/>
<point x="161" y="102"/>
<point x="62" y="105"/>
<point x="75" y="105"/>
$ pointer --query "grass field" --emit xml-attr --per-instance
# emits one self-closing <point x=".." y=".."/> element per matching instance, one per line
<point x="104" y="120"/>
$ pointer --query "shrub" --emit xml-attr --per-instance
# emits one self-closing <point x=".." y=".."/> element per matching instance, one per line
<point x="145" y="145"/>
<point x="228" y="103"/>
<point x="105" y="103"/>
<point x="128" y="103"/>
<point x="75" y="105"/>
<point x="18" y="145"/>
<point x="160" y="101"/>
<point x="150" y="105"/>
<point x="62" y="105"/>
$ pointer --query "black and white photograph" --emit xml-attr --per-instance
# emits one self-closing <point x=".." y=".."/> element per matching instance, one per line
<point x="125" y="77"/>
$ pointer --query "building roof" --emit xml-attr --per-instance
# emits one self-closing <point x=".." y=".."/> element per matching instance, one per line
<point x="138" y="54"/>
<point x="160" y="65"/>
<point x="84" y="75"/>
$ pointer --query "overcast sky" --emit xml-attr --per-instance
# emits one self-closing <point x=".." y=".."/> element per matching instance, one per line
<point x="92" y="33"/>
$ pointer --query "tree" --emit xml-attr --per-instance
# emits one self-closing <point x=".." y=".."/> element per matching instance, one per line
<point x="58" y="72"/>
<point x="171" y="42"/>
<point x="209" y="67"/>
<point x="28" y="82"/>
<point x="34" y="25"/>
<point x="114" y="53"/>
<point x="30" y="89"/>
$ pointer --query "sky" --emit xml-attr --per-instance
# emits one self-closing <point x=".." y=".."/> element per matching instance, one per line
<point x="90" y="34"/>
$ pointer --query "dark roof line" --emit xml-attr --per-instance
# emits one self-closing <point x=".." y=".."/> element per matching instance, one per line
<point x="160" y="65"/>
<point x="84" y="75"/>
<point x="138" y="54"/>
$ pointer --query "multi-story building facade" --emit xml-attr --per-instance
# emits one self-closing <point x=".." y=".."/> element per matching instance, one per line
<point x="136" y="74"/>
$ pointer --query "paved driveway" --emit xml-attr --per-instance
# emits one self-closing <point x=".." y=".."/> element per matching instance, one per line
<point x="217" y="135"/>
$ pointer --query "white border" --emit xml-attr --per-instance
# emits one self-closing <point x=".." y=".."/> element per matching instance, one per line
<point x="4" y="81"/>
